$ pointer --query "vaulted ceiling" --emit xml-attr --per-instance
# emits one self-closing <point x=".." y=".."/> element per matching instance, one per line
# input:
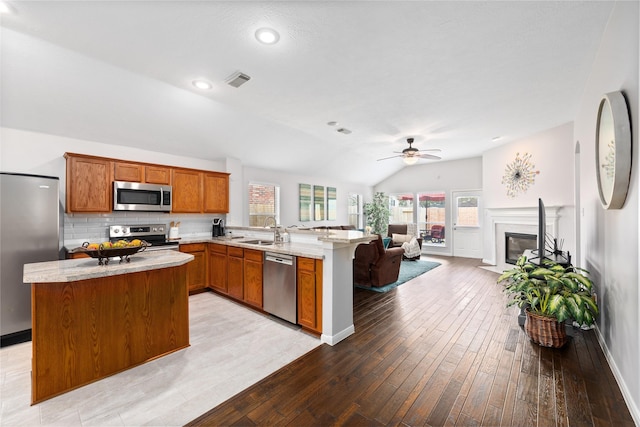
<point x="453" y="75"/>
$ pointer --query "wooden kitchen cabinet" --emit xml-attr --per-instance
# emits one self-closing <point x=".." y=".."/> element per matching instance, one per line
<point x="309" y="281"/>
<point x="157" y="175"/>
<point x="125" y="171"/>
<point x="216" y="192"/>
<point x="187" y="191"/>
<point x="218" y="267"/>
<point x="196" y="269"/>
<point x="89" y="187"/>
<point x="90" y="184"/>
<point x="138" y="172"/>
<point x="235" y="272"/>
<point x="253" y="261"/>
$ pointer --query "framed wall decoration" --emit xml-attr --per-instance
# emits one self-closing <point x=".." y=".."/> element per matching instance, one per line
<point x="332" y="204"/>
<point x="519" y="175"/>
<point x="613" y="150"/>
<point x="305" y="202"/>
<point x="318" y="202"/>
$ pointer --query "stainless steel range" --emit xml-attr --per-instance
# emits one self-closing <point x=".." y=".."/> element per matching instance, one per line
<point x="154" y="234"/>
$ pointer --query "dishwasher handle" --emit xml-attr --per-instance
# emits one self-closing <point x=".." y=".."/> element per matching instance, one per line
<point x="278" y="258"/>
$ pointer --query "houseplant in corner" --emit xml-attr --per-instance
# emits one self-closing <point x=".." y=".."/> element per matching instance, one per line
<point x="551" y="294"/>
<point x="377" y="213"/>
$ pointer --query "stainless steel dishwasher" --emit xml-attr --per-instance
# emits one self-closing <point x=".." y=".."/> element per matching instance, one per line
<point x="279" y="286"/>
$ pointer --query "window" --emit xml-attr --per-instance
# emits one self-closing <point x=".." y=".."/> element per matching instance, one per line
<point x="264" y="201"/>
<point x="432" y="217"/>
<point x="467" y="211"/>
<point x="401" y="208"/>
<point x="354" y="209"/>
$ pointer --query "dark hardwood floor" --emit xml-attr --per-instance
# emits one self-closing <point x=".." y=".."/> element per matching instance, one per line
<point x="439" y="350"/>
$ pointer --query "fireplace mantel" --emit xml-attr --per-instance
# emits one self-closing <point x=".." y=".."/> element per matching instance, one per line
<point x="523" y="219"/>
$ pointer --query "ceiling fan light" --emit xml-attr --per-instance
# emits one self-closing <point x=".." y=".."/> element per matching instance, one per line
<point x="410" y="160"/>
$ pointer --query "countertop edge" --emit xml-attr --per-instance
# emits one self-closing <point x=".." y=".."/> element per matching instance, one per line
<point x="72" y="270"/>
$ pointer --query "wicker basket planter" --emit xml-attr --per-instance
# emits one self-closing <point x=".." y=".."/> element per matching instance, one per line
<point x="545" y="331"/>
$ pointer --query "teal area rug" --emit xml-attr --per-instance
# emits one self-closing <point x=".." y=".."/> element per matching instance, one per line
<point x="408" y="271"/>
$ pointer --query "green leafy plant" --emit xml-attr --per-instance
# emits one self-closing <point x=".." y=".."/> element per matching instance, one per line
<point x="551" y="290"/>
<point x="377" y="213"/>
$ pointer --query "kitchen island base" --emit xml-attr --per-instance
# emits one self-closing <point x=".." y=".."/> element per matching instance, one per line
<point x="87" y="330"/>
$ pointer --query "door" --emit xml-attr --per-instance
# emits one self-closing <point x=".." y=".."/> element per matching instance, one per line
<point x="467" y="224"/>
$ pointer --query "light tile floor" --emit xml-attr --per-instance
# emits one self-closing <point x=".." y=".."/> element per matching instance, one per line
<point x="232" y="347"/>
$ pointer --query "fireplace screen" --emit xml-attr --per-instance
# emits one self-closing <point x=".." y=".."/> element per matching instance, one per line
<point x="516" y="244"/>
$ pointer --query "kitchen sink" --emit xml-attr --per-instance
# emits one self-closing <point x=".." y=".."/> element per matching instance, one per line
<point x="258" y="242"/>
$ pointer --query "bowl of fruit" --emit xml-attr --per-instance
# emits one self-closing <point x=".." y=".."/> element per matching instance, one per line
<point x="106" y="250"/>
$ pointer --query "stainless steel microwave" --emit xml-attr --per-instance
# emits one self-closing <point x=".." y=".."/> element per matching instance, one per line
<point x="134" y="196"/>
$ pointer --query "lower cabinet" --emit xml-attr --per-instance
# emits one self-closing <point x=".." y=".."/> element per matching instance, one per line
<point x="218" y="267"/>
<point x="196" y="269"/>
<point x="253" y="277"/>
<point x="309" y="272"/>
<point x="235" y="272"/>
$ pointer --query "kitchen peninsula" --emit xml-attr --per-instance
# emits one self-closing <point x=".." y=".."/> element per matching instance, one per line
<point x="334" y="247"/>
<point x="90" y="321"/>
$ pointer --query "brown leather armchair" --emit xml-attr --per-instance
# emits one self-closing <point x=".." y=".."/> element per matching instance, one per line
<point x="375" y="266"/>
<point x="401" y="229"/>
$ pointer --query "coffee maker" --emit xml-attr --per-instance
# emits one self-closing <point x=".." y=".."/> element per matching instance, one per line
<point x="218" y="227"/>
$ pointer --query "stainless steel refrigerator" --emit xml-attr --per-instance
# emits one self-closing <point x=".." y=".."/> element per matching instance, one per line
<point x="29" y="232"/>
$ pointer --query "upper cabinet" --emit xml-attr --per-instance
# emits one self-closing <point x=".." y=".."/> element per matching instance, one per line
<point x="187" y="191"/>
<point x="157" y="174"/>
<point x="89" y="187"/>
<point x="90" y="184"/>
<point x="132" y="172"/>
<point x="137" y="172"/>
<point x="197" y="191"/>
<point x="216" y="192"/>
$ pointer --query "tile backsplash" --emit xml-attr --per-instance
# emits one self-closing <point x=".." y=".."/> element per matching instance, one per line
<point x="80" y="228"/>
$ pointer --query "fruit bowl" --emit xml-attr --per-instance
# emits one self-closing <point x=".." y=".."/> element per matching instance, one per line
<point x="103" y="253"/>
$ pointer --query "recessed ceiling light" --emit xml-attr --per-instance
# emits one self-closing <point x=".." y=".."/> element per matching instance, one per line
<point x="202" y="84"/>
<point x="267" y="36"/>
<point x="496" y="138"/>
<point x="332" y="123"/>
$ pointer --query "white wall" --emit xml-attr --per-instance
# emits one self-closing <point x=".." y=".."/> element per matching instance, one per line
<point x="552" y="152"/>
<point x="609" y="239"/>
<point x="446" y="176"/>
<point x="289" y="195"/>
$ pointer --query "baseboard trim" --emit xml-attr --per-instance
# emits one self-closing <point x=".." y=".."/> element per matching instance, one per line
<point x="335" y="339"/>
<point x="626" y="394"/>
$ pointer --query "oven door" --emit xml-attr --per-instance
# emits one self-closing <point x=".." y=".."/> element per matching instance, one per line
<point x="133" y="196"/>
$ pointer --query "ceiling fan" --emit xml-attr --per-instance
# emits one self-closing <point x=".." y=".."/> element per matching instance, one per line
<point x="411" y="155"/>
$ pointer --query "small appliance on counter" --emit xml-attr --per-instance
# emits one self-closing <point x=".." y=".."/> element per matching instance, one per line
<point x="154" y="234"/>
<point x="218" y="227"/>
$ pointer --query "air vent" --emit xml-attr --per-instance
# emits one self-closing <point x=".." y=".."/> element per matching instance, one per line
<point x="237" y="79"/>
<point x="344" y="130"/>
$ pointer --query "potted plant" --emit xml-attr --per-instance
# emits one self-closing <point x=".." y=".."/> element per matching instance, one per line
<point x="377" y="213"/>
<point x="550" y="294"/>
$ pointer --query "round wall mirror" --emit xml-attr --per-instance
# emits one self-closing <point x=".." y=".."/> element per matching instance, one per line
<point x="613" y="150"/>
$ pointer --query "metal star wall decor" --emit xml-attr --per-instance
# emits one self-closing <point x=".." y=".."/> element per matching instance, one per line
<point x="519" y="175"/>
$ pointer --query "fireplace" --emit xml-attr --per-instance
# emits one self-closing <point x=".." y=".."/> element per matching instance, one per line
<point x="516" y="243"/>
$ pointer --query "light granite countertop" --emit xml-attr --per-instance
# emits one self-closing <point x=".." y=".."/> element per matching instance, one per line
<point x="291" y="248"/>
<point x="72" y="270"/>
<point x="309" y="249"/>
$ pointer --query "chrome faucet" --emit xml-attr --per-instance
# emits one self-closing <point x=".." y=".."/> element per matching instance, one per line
<point x="277" y="238"/>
